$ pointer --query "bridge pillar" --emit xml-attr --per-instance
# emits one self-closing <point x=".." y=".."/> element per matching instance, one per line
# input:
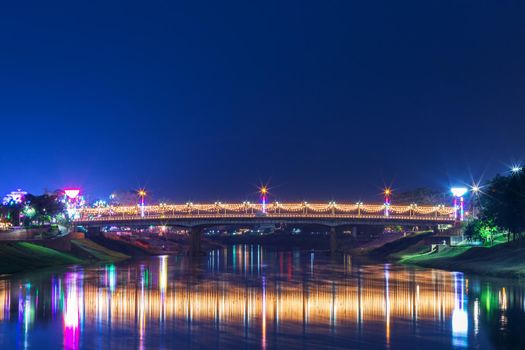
<point x="195" y="241"/>
<point x="354" y="231"/>
<point x="93" y="231"/>
<point x="333" y="239"/>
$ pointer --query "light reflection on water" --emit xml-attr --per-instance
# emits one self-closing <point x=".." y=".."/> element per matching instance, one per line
<point x="248" y="297"/>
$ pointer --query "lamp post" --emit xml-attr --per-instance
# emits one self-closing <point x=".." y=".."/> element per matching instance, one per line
<point x="387" y="192"/>
<point x="459" y="206"/>
<point x="142" y="194"/>
<point x="72" y="202"/>
<point x="264" y="193"/>
<point x="476" y="190"/>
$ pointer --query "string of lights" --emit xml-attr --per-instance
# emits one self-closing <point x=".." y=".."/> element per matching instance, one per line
<point x="270" y="209"/>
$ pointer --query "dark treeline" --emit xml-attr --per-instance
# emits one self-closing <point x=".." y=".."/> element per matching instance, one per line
<point x="501" y="207"/>
<point x="34" y="209"/>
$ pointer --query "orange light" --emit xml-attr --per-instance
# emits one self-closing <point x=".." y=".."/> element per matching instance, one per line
<point x="388" y="191"/>
<point x="264" y="190"/>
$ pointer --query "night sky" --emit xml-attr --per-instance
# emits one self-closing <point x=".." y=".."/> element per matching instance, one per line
<point x="206" y="100"/>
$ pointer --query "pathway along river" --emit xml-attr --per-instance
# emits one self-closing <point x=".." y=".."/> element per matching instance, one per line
<point x="246" y="297"/>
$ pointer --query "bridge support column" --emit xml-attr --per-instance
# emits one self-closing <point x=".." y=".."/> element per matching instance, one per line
<point x="354" y="231"/>
<point x="93" y="232"/>
<point x="333" y="240"/>
<point x="195" y="241"/>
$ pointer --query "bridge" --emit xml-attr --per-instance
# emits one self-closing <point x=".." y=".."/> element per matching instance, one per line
<point x="196" y="217"/>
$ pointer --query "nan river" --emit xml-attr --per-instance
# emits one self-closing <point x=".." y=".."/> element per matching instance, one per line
<point x="247" y="297"/>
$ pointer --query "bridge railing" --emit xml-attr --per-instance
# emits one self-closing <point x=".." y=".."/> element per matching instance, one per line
<point x="276" y="210"/>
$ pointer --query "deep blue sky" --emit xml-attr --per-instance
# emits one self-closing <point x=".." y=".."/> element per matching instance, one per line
<point x="206" y="99"/>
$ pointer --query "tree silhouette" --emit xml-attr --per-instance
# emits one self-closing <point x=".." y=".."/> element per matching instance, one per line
<point x="504" y="203"/>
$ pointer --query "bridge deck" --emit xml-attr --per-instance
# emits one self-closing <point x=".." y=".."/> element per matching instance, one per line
<point x="246" y="213"/>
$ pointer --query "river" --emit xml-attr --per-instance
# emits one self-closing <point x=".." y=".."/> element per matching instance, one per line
<point x="247" y="297"/>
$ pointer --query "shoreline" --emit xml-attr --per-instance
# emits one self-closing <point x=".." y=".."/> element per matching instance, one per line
<point x="506" y="260"/>
<point x="23" y="257"/>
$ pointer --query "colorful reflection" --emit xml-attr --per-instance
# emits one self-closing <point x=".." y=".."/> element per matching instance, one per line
<point x="73" y="310"/>
<point x="246" y="295"/>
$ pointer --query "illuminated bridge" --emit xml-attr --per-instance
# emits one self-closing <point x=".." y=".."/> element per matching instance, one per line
<point x="328" y="214"/>
<point x="198" y="216"/>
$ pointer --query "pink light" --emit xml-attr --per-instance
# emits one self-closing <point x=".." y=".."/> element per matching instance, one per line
<point x="461" y="210"/>
<point x="72" y="193"/>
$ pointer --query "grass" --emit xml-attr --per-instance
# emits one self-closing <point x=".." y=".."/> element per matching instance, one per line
<point x="393" y="249"/>
<point x="21" y="256"/>
<point x="444" y="253"/>
<point x="504" y="259"/>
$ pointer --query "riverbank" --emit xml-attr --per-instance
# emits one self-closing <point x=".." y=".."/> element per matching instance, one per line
<point x="502" y="260"/>
<point x="23" y="256"/>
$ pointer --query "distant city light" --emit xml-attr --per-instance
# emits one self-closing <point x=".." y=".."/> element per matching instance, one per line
<point x="100" y="204"/>
<point x="516" y="169"/>
<point x="15" y="197"/>
<point x="458" y="191"/>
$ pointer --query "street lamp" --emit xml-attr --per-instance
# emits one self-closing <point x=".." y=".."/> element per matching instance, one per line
<point x="458" y="193"/>
<point x="264" y="192"/>
<point x="476" y="191"/>
<point x="142" y="194"/>
<point x="72" y="201"/>
<point x="387" y="192"/>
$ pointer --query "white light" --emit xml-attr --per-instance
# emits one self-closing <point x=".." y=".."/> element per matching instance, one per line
<point x="459" y="322"/>
<point x="458" y="191"/>
<point x="516" y="169"/>
<point x="475" y="189"/>
<point x="72" y="193"/>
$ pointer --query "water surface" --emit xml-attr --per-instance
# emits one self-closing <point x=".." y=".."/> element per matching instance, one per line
<point x="245" y="297"/>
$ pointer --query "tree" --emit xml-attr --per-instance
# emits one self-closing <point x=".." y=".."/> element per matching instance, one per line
<point x="487" y="232"/>
<point x="481" y="229"/>
<point x="45" y="207"/>
<point x="422" y="196"/>
<point x="472" y="228"/>
<point x="10" y="212"/>
<point x="504" y="203"/>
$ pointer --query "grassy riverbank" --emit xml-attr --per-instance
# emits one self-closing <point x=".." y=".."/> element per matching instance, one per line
<point x="23" y="256"/>
<point x="503" y="260"/>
